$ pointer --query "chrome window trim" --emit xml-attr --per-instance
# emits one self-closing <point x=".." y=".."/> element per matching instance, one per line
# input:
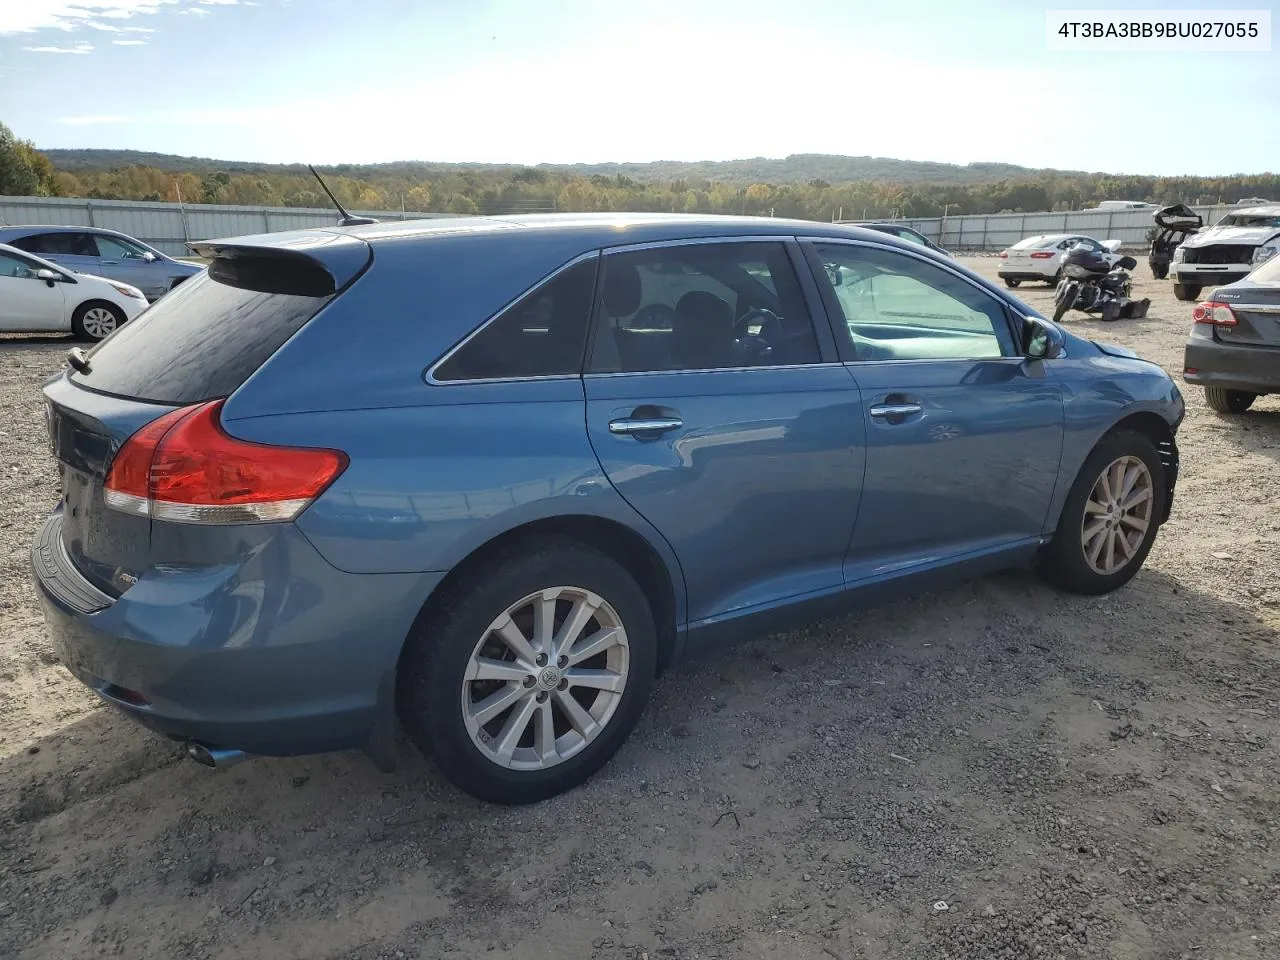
<point x="430" y="375"/>
<point x="824" y="365"/>
<point x="1007" y="307"/>
<point x="1255" y="307"/>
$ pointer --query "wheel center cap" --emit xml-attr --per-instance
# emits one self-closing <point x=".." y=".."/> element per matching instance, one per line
<point x="549" y="678"/>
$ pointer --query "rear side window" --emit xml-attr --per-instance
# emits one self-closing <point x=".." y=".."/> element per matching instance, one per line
<point x="201" y="341"/>
<point x="64" y="244"/>
<point x="542" y="334"/>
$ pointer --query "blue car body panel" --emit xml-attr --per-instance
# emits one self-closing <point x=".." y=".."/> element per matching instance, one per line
<point x="780" y="495"/>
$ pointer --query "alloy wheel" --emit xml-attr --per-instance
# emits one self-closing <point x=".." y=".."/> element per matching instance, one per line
<point x="1117" y="515"/>
<point x="545" y="679"/>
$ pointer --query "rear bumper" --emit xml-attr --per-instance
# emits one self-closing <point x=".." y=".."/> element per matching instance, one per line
<point x="1026" y="273"/>
<point x="295" y="663"/>
<point x="1232" y="367"/>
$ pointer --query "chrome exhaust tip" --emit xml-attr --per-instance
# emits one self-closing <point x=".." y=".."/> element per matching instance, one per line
<point x="208" y="756"/>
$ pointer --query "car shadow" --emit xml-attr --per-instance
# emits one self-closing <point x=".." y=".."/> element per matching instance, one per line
<point x="124" y="829"/>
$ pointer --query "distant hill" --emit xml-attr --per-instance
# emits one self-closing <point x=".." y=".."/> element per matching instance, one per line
<point x="797" y="168"/>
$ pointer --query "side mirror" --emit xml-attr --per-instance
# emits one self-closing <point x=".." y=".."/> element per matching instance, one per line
<point x="1041" y="340"/>
<point x="48" y="276"/>
<point x="148" y="256"/>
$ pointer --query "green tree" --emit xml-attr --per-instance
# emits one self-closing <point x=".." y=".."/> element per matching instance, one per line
<point x="24" y="171"/>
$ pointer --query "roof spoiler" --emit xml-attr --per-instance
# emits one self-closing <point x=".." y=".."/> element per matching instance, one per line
<point x="307" y="262"/>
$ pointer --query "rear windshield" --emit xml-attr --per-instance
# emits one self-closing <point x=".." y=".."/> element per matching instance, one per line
<point x="199" y="342"/>
<point x="1031" y="242"/>
<point x="1269" y="272"/>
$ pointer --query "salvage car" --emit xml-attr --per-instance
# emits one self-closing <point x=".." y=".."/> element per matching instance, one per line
<point x="1234" y="347"/>
<point x="37" y="296"/>
<point x="1225" y="252"/>
<point x="450" y="471"/>
<point x="1041" y="257"/>
<point x="103" y="253"/>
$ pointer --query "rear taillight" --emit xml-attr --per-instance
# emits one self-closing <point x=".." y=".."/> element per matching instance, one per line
<point x="1213" y="313"/>
<point x="1042" y="255"/>
<point x="185" y="468"/>
<point x="1004" y="254"/>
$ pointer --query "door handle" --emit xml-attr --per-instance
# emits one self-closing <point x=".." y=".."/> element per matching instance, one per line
<point x="109" y="263"/>
<point x="881" y="410"/>
<point x="629" y="425"/>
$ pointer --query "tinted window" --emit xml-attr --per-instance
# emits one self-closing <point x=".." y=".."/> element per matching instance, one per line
<point x="201" y="341"/>
<point x="65" y="244"/>
<point x="541" y="335"/>
<point x="702" y="306"/>
<point x="896" y="307"/>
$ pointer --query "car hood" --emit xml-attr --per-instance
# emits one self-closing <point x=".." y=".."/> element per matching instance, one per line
<point x="1250" y="235"/>
<point x="1115" y="350"/>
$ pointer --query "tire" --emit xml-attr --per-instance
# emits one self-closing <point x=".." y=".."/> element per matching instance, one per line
<point x="1064" y="562"/>
<point x="1011" y="282"/>
<point x="1186" y="291"/>
<point x="1064" y="301"/>
<point x="1159" y="272"/>
<point x="90" y="321"/>
<point x="1222" y="400"/>
<point x="1055" y="279"/>
<point x="434" y="673"/>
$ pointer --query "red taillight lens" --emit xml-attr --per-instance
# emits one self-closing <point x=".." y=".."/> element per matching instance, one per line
<point x="1214" y="313"/>
<point x="1004" y="254"/>
<point x="1042" y="255"/>
<point x="189" y="470"/>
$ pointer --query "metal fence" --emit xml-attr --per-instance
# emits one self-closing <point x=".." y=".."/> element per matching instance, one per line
<point x="995" y="231"/>
<point x="168" y="226"/>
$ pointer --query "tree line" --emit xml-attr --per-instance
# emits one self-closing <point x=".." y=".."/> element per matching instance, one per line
<point x="471" y="189"/>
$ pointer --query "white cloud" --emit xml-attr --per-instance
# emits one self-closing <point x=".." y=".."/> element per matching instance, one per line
<point x="129" y="43"/>
<point x="34" y="15"/>
<point x="93" y="120"/>
<point x="219" y="3"/>
<point x="73" y="48"/>
<point x="195" y="12"/>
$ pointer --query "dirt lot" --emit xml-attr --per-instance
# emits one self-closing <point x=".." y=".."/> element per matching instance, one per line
<point x="992" y="771"/>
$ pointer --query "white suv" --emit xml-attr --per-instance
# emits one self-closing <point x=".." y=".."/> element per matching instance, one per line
<point x="1226" y="252"/>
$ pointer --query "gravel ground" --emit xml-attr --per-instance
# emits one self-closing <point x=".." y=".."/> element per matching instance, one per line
<point x="986" y="772"/>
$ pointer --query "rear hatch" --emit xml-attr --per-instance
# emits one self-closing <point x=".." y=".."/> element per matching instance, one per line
<point x="198" y="343"/>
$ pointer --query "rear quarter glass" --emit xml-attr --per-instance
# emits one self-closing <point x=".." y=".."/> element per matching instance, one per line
<point x="204" y="339"/>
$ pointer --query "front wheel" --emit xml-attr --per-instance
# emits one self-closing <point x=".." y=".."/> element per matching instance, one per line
<point x="524" y="682"/>
<point x="1064" y="300"/>
<point x="1187" y="291"/>
<point x="1110" y="517"/>
<point x="1228" y="401"/>
<point x="95" y="321"/>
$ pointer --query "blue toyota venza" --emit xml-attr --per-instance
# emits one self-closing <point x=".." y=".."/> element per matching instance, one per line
<point x="488" y="477"/>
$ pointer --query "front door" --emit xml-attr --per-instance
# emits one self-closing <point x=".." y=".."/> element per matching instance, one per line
<point x="26" y="301"/>
<point x="964" y="434"/>
<point x="718" y="414"/>
<point x="127" y="262"/>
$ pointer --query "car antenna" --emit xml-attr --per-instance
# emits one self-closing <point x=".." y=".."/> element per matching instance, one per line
<point x="347" y="219"/>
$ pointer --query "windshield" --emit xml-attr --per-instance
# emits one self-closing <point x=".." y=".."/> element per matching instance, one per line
<point x="1249" y="220"/>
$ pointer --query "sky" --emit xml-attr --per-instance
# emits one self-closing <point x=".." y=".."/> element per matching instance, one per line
<point x="565" y="81"/>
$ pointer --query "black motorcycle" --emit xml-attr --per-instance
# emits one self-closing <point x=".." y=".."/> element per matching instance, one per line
<point x="1176" y="223"/>
<point x="1092" y="285"/>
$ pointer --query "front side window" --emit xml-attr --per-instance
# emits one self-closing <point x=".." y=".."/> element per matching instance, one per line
<point x="896" y="307"/>
<point x="702" y="306"/>
<point x="543" y="334"/>
<point x="113" y="248"/>
<point x="11" y="266"/>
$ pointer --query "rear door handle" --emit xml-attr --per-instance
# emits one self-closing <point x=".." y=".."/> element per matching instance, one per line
<point x="645" y="425"/>
<point x="881" y="410"/>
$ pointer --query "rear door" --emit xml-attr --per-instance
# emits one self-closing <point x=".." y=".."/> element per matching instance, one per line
<point x="964" y="435"/>
<point x="199" y="344"/>
<point x="718" y="411"/>
<point x="26" y="301"/>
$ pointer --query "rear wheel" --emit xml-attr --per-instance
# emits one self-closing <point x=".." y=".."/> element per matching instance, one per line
<point x="1159" y="271"/>
<point x="1110" y="517"/>
<point x="1011" y="282"/>
<point x="1228" y="401"/>
<point x="524" y="682"/>
<point x="1055" y="279"/>
<point x="96" y="320"/>
<point x="1187" y="291"/>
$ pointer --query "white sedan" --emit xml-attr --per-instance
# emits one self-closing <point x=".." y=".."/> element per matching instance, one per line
<point x="36" y="295"/>
<point x="1040" y="257"/>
